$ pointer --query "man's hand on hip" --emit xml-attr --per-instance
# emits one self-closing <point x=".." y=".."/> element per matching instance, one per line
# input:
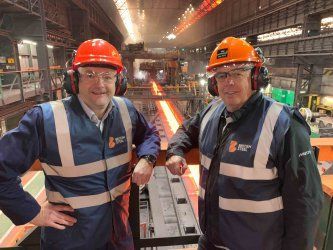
<point x="51" y="216"/>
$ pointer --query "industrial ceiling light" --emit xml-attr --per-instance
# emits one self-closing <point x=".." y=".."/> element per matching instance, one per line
<point x="290" y="32"/>
<point x="126" y="17"/>
<point x="327" y="23"/>
<point x="171" y="36"/>
<point x="29" y="42"/>
<point x="191" y="16"/>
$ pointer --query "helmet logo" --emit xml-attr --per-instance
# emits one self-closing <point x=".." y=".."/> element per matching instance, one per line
<point x="221" y="53"/>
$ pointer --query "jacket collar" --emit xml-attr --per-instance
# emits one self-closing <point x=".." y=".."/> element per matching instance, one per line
<point x="246" y="108"/>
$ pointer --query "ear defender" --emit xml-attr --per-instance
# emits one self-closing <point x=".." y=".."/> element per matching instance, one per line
<point x="212" y="86"/>
<point x="121" y="84"/>
<point x="259" y="74"/>
<point x="71" y="82"/>
<point x="259" y="77"/>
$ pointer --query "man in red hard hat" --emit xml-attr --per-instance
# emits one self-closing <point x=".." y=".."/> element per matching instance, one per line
<point x="259" y="183"/>
<point x="84" y="143"/>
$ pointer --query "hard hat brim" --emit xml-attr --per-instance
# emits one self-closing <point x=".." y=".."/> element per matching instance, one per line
<point x="238" y="60"/>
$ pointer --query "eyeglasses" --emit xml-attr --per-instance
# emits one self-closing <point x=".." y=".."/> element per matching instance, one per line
<point x="235" y="74"/>
<point x="106" y="78"/>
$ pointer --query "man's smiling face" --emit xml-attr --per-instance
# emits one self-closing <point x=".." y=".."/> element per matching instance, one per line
<point x="97" y="86"/>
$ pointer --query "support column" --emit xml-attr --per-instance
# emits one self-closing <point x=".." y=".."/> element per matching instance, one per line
<point x="80" y="25"/>
<point x="196" y="67"/>
<point x="35" y="30"/>
<point x="316" y="79"/>
<point x="18" y="68"/>
<point x="129" y="64"/>
<point x="312" y="25"/>
<point x="43" y="56"/>
<point x="298" y="84"/>
<point x="59" y="56"/>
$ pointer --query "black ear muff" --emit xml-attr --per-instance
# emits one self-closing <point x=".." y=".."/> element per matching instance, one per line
<point x="121" y="85"/>
<point x="259" y="77"/>
<point x="259" y="74"/>
<point x="263" y="78"/>
<point x="71" y="82"/>
<point x="212" y="86"/>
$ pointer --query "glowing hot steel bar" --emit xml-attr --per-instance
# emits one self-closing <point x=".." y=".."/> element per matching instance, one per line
<point x="169" y="114"/>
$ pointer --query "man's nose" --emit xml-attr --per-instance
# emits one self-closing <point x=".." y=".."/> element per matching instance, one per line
<point x="99" y="80"/>
<point x="230" y="80"/>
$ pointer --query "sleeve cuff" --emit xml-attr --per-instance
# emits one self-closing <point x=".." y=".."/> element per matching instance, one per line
<point x="174" y="152"/>
<point x="27" y="214"/>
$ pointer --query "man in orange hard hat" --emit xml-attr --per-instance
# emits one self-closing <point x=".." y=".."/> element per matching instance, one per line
<point x="259" y="183"/>
<point x="84" y="143"/>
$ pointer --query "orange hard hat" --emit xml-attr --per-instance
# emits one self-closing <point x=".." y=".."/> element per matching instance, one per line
<point x="97" y="51"/>
<point x="233" y="50"/>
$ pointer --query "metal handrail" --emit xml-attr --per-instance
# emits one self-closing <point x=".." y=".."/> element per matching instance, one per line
<point x="30" y="76"/>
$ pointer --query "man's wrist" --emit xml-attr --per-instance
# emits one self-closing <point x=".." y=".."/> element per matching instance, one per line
<point x="169" y="155"/>
<point x="151" y="159"/>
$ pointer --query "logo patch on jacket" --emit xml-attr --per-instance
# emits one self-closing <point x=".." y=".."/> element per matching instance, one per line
<point x="111" y="142"/>
<point x="304" y="153"/>
<point x="114" y="141"/>
<point x="235" y="146"/>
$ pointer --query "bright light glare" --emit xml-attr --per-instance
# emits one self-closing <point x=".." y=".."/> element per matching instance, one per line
<point x="280" y="34"/>
<point x="126" y="17"/>
<point x="141" y="74"/>
<point x="328" y="100"/>
<point x="194" y="169"/>
<point x="327" y="23"/>
<point x="29" y="42"/>
<point x="156" y="90"/>
<point x="171" y="36"/>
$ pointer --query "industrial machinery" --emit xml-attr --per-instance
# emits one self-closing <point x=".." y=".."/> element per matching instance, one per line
<point x="320" y="124"/>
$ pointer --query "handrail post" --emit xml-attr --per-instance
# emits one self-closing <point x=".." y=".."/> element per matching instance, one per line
<point x="134" y="218"/>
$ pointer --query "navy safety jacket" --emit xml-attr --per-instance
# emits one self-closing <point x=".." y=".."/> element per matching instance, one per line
<point x="244" y="162"/>
<point x="83" y="167"/>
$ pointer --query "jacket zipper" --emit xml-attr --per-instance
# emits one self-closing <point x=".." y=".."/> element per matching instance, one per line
<point x="221" y="143"/>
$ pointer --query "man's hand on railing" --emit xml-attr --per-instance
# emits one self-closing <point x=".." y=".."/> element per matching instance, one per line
<point x="177" y="165"/>
<point x="142" y="172"/>
<point x="51" y="216"/>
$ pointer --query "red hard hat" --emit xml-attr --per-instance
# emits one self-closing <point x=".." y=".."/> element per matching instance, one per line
<point x="97" y="51"/>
